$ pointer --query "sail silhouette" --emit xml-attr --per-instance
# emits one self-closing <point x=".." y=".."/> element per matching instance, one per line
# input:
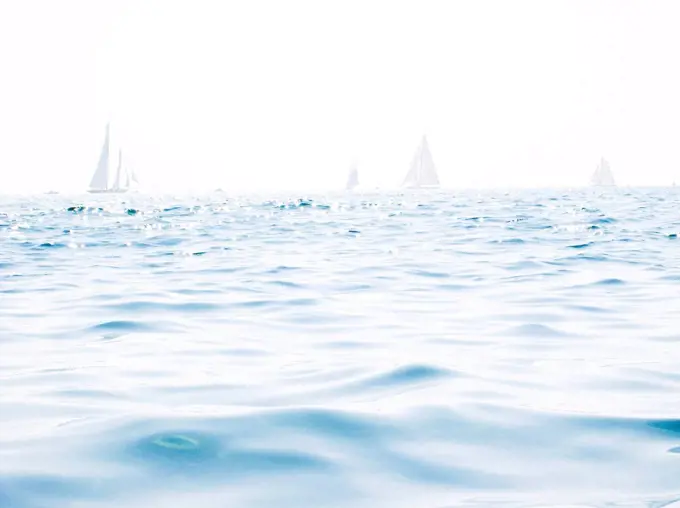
<point x="602" y="176"/>
<point x="124" y="176"/>
<point x="352" y="177"/>
<point x="422" y="172"/>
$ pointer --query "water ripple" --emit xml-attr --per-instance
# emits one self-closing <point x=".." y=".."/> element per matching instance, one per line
<point x="512" y="349"/>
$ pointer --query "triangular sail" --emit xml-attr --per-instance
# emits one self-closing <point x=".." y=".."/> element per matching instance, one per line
<point x="422" y="172"/>
<point x="603" y="175"/>
<point x="100" y="179"/>
<point x="428" y="172"/>
<point x="124" y="175"/>
<point x="352" y="178"/>
<point x="116" y="184"/>
<point x="411" y="179"/>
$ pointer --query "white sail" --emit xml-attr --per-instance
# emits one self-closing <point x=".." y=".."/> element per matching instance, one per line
<point x="352" y="178"/>
<point x="124" y="176"/>
<point x="422" y="172"/>
<point x="100" y="179"/>
<point x="603" y="175"/>
<point x="116" y="183"/>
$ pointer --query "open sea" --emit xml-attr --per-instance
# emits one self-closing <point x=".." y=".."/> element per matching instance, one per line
<point x="402" y="350"/>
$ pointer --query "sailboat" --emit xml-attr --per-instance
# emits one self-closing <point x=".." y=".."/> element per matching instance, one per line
<point x="603" y="177"/>
<point x="124" y="177"/>
<point x="352" y="177"/>
<point x="422" y="173"/>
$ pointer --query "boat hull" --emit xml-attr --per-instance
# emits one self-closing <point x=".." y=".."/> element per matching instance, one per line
<point x="107" y="191"/>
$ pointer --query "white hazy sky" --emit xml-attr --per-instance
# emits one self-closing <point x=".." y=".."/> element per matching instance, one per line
<point x="285" y="93"/>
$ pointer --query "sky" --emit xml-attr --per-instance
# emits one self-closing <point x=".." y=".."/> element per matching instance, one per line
<point x="285" y="94"/>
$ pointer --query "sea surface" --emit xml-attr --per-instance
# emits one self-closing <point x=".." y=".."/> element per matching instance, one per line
<point x="418" y="349"/>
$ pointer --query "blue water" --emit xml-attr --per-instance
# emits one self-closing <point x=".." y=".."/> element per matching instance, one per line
<point x="400" y="350"/>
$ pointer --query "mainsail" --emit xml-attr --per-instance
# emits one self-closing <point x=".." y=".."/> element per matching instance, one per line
<point x="422" y="172"/>
<point x="352" y="178"/>
<point x="100" y="179"/>
<point x="116" y="184"/>
<point x="603" y="175"/>
<point x="124" y="175"/>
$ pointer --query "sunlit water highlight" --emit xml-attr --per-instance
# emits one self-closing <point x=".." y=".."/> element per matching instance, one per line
<point x="403" y="350"/>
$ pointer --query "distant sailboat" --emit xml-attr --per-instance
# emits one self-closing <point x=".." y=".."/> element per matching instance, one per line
<point x="100" y="182"/>
<point x="422" y="173"/>
<point x="603" y="177"/>
<point x="352" y="178"/>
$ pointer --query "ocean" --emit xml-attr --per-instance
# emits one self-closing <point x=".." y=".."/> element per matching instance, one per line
<point x="415" y="349"/>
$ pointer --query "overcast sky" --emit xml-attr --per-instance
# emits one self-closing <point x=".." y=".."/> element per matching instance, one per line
<point x="279" y="94"/>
